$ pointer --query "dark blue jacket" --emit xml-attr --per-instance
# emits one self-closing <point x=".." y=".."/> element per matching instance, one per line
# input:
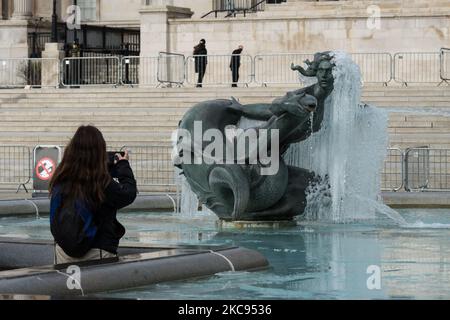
<point x="118" y="195"/>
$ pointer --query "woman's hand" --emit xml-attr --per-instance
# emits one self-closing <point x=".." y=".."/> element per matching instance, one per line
<point x="119" y="157"/>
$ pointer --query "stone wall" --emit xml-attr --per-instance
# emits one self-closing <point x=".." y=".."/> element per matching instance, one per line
<point x="13" y="39"/>
<point x="416" y="30"/>
<point x="43" y="8"/>
<point x="119" y="12"/>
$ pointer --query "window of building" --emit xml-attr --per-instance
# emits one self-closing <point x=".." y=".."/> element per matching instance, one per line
<point x="88" y="10"/>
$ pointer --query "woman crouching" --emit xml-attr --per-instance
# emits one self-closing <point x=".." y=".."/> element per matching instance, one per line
<point x="85" y="199"/>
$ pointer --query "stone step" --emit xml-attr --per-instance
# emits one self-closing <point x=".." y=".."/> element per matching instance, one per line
<point x="145" y="92"/>
<point x="410" y="104"/>
<point x="63" y="137"/>
<point x="23" y="118"/>
<point x="71" y="129"/>
<point x="219" y="91"/>
<point x="193" y="98"/>
<point x="388" y="102"/>
<point x="117" y="112"/>
<point x="420" y="124"/>
<point x="142" y="95"/>
<point x="113" y="122"/>
<point x="107" y="98"/>
<point x="107" y="104"/>
<point x="415" y="130"/>
<point x="216" y="92"/>
<point x="414" y="139"/>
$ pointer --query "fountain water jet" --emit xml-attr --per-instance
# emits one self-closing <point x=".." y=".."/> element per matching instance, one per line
<point x="348" y="152"/>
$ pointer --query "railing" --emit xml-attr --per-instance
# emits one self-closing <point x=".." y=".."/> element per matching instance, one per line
<point x="276" y="68"/>
<point x="375" y="67"/>
<point x="445" y="64"/>
<point x="141" y="71"/>
<point x="176" y="69"/>
<point x="167" y="68"/>
<point x="427" y="169"/>
<point x="153" y="167"/>
<point x="417" y="67"/>
<point x="217" y="71"/>
<point x="414" y="170"/>
<point x="234" y="7"/>
<point x="392" y="175"/>
<point x="15" y="166"/>
<point x="171" y="68"/>
<point x="37" y="41"/>
<point x="32" y="72"/>
<point x="91" y="71"/>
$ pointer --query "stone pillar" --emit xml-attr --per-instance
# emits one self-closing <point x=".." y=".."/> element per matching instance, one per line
<point x="155" y="28"/>
<point x="52" y="56"/>
<point x="155" y="34"/>
<point x="23" y="10"/>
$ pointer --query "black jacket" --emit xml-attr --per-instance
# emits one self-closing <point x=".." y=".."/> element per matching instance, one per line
<point x="235" y="62"/>
<point x="118" y="195"/>
<point x="201" y="60"/>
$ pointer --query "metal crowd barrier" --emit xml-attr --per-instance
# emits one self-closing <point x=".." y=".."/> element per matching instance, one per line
<point x="171" y="68"/>
<point x="417" y="67"/>
<point x="375" y="67"/>
<point x="15" y="166"/>
<point x="32" y="72"/>
<point x="91" y="71"/>
<point x="392" y="175"/>
<point x="416" y="169"/>
<point x="153" y="167"/>
<point x="175" y="69"/>
<point x="427" y="169"/>
<point x="218" y="71"/>
<point x="141" y="71"/>
<point x="276" y="68"/>
<point x="445" y="64"/>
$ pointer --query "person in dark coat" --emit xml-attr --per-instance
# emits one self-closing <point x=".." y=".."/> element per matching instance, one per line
<point x="235" y="64"/>
<point x="201" y="61"/>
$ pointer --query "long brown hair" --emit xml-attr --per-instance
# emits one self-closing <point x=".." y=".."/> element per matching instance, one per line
<point x="83" y="172"/>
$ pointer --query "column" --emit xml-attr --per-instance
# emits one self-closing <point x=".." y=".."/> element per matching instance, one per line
<point x="23" y="9"/>
<point x="155" y="36"/>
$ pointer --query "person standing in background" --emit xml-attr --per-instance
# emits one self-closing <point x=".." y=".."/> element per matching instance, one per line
<point x="201" y="60"/>
<point x="235" y="64"/>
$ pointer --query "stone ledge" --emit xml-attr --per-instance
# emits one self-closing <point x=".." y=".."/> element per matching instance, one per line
<point x="26" y="207"/>
<point x="14" y="23"/>
<point x="167" y="9"/>
<point x="417" y="199"/>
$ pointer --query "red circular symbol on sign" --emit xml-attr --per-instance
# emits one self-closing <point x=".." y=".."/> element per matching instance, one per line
<point x="45" y="168"/>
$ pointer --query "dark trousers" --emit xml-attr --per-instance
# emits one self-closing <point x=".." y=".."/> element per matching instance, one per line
<point x="201" y="74"/>
<point x="235" y="76"/>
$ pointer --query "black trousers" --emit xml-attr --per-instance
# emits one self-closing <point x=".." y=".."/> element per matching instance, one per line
<point x="235" y="76"/>
<point x="201" y="74"/>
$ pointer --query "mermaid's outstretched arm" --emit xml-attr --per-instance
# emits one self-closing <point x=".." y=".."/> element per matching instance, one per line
<point x="310" y="72"/>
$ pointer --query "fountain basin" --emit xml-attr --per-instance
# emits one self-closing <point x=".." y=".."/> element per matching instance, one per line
<point x="28" y="267"/>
